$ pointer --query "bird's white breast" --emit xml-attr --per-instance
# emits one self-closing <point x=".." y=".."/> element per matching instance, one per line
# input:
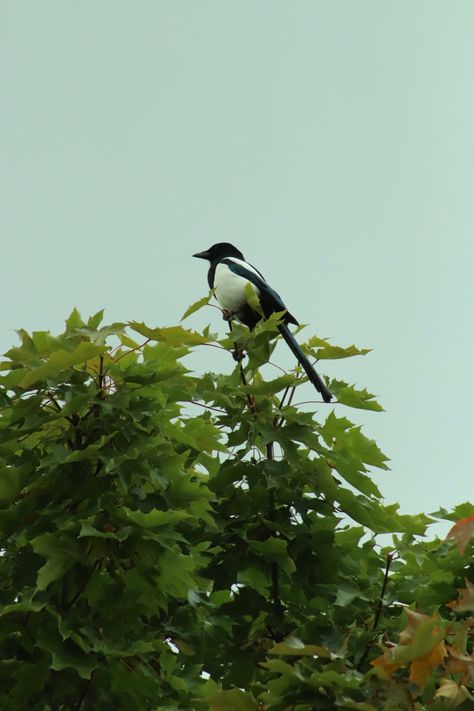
<point x="230" y="287"/>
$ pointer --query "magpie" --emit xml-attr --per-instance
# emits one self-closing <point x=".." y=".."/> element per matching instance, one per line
<point x="228" y="275"/>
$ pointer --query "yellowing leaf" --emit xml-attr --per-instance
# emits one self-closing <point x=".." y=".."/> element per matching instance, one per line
<point x="461" y="664"/>
<point x="385" y="664"/>
<point x="453" y="692"/>
<point x="420" y="636"/>
<point x="465" y="601"/>
<point x="421" y="646"/>
<point x="462" y="532"/>
<point x="295" y="647"/>
<point x="421" y="668"/>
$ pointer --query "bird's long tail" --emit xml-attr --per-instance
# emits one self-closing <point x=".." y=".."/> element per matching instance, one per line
<point x="304" y="362"/>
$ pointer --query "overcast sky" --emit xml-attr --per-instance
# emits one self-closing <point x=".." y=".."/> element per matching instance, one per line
<point x="332" y="142"/>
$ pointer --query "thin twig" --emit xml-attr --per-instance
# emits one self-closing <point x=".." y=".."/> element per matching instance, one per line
<point x="84" y="584"/>
<point x="131" y="350"/>
<point x="87" y="687"/>
<point x="208" y="407"/>
<point x="390" y="557"/>
<point x="316" y="402"/>
<point x="275" y="575"/>
<point x="56" y="405"/>
<point x="249" y="398"/>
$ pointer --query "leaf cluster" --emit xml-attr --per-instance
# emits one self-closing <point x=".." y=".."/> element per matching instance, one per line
<point x="181" y="541"/>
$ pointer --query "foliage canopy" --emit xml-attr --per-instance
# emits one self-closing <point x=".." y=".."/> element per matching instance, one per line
<point x="181" y="541"/>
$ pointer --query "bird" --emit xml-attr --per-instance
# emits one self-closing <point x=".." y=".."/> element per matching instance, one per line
<point x="228" y="275"/>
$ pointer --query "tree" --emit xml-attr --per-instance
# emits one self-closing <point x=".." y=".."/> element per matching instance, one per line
<point x="182" y="541"/>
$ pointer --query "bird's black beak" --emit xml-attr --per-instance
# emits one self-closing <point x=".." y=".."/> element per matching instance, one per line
<point x="202" y="255"/>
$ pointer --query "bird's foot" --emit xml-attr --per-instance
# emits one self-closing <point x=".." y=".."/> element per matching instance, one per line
<point x="238" y="354"/>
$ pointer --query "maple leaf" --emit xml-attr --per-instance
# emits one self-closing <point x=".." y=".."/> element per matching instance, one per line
<point x="462" y="532"/>
<point x="385" y="664"/>
<point x="465" y="601"/>
<point x="421" y="647"/>
<point x="414" y="620"/>
<point x="421" y="668"/>
<point x="461" y="664"/>
<point x="452" y="691"/>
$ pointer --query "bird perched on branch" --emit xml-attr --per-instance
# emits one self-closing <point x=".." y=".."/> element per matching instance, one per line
<point x="229" y="275"/>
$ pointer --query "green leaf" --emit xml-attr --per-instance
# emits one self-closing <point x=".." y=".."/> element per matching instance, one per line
<point x="269" y="387"/>
<point x="60" y="551"/>
<point x="62" y="360"/>
<point x="251" y="296"/>
<point x="331" y="678"/>
<point x="156" y="518"/>
<point x="346" y="593"/>
<point x="173" y="335"/>
<point x="292" y="646"/>
<point x="74" y="320"/>
<point x="197" y="305"/>
<point x="426" y="636"/>
<point x="465" y="510"/>
<point x="324" y="351"/>
<point x="22" y="607"/>
<point x="255" y="578"/>
<point x="89" y="531"/>
<point x="365" y="448"/>
<point x="334" y="427"/>
<point x="14" y="377"/>
<point x="348" y="395"/>
<point x="95" y="320"/>
<point x="66" y="655"/>
<point x="275" y="549"/>
<point x="12" y="480"/>
<point x="232" y="700"/>
<point x="176" y="574"/>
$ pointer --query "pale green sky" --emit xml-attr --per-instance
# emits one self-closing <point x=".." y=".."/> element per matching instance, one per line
<point x="333" y="142"/>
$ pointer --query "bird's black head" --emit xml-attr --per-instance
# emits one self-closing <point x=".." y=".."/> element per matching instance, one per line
<point x="219" y="251"/>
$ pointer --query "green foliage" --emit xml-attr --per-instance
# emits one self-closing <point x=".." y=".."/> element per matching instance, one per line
<point x="176" y="541"/>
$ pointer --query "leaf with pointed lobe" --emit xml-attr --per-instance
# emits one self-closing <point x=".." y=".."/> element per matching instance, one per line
<point x="174" y="335"/>
<point x="60" y="551"/>
<point x="465" y="601"/>
<point x="199" y="304"/>
<point x="348" y="395"/>
<point x="462" y="531"/>
<point x="62" y="360"/>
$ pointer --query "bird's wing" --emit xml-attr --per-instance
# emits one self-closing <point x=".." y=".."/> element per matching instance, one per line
<point x="270" y="300"/>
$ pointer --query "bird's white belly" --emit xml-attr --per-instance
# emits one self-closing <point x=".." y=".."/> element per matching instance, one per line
<point x="230" y="288"/>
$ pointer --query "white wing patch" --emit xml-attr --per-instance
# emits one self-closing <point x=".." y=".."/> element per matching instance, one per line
<point x="230" y="287"/>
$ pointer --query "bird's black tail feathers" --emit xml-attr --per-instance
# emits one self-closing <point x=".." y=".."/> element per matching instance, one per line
<point x="304" y="362"/>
